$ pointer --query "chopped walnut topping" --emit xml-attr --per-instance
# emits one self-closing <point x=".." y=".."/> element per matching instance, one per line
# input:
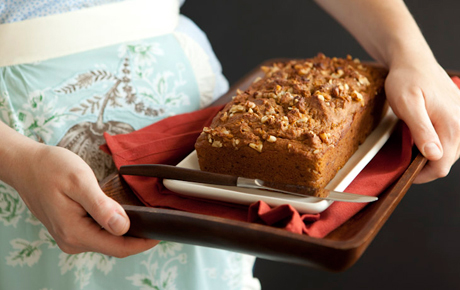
<point x="303" y="69"/>
<point x="270" y="95"/>
<point x="250" y="105"/>
<point x="302" y="120"/>
<point x="265" y="69"/>
<point x="338" y="74"/>
<point x="270" y="111"/>
<point x="217" y="144"/>
<point x="264" y="119"/>
<point x="237" y="109"/>
<point x="363" y="80"/>
<point x="258" y="147"/>
<point x="336" y="92"/>
<point x="271" y="139"/>
<point x="284" y="123"/>
<point x="224" y="117"/>
<point x="225" y="132"/>
<point x="357" y="96"/>
<point x="293" y="101"/>
<point x="324" y="137"/>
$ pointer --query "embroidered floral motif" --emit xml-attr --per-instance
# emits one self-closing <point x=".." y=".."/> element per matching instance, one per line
<point x="156" y="277"/>
<point x="143" y="55"/>
<point x="28" y="253"/>
<point x="162" y="94"/>
<point x="152" y="96"/>
<point x="83" y="265"/>
<point x="11" y="206"/>
<point x="38" y="118"/>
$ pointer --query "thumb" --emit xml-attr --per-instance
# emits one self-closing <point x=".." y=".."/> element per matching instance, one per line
<point x="423" y="132"/>
<point x="104" y="210"/>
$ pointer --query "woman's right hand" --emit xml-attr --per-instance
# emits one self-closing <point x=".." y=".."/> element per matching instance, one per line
<point x="61" y="190"/>
<point x="425" y="98"/>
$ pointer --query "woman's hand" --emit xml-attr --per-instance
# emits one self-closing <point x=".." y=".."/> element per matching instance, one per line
<point x="60" y="189"/>
<point x="418" y="89"/>
<point x="425" y="98"/>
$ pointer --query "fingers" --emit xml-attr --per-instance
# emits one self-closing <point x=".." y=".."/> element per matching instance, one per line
<point x="412" y="110"/>
<point x="432" y="171"/>
<point x="98" y="240"/>
<point x="450" y="138"/>
<point x="88" y="236"/>
<point x="76" y="232"/>
<point x="105" y="211"/>
<point x="102" y="232"/>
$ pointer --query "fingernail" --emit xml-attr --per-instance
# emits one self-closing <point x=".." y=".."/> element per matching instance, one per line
<point x="431" y="150"/>
<point x="117" y="223"/>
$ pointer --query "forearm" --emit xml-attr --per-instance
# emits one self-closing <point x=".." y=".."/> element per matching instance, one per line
<point x="385" y="29"/>
<point x="14" y="151"/>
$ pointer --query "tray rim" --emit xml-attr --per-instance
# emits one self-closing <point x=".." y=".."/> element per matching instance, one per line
<point x="345" y="252"/>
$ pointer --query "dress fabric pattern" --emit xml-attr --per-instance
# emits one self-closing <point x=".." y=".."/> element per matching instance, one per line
<point x="69" y="101"/>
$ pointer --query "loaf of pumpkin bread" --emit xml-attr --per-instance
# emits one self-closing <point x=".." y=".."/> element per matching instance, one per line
<point x="297" y="124"/>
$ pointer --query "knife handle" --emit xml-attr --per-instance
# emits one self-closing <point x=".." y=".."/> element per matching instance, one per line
<point x="178" y="173"/>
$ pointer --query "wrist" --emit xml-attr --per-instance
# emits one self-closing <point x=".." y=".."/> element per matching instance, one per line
<point x="16" y="153"/>
<point x="405" y="49"/>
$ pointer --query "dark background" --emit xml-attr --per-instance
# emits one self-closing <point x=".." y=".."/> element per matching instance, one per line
<point x="418" y="248"/>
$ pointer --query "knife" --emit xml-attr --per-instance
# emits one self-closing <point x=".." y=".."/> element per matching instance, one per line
<point x="192" y="175"/>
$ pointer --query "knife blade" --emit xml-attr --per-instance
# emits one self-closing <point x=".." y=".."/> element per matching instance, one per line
<point x="192" y="175"/>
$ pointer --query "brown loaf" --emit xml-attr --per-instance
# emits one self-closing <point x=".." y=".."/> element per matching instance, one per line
<point x="299" y="124"/>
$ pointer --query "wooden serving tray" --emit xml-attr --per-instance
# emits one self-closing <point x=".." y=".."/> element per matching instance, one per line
<point x="336" y="252"/>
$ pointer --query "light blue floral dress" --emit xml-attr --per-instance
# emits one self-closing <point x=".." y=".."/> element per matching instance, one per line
<point x="70" y="101"/>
